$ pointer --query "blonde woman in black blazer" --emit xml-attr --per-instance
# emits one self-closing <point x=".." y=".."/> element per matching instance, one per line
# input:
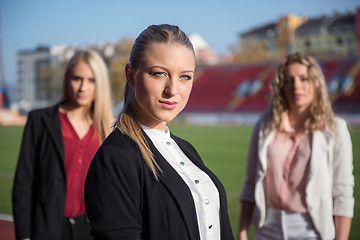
<point x="41" y="182"/>
<point x="134" y="189"/>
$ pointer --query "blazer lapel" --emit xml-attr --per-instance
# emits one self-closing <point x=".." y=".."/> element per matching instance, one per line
<point x="52" y="123"/>
<point x="319" y="147"/>
<point x="264" y="141"/>
<point x="190" y="154"/>
<point x="195" y="158"/>
<point x="226" y="233"/>
<point x="178" y="188"/>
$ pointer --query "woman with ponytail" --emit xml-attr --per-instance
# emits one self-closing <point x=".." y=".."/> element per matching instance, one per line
<point x="144" y="182"/>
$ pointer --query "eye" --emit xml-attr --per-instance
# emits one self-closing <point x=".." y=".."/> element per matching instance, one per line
<point x="76" y="78"/>
<point x="92" y="80"/>
<point x="186" y="77"/>
<point x="305" y="79"/>
<point x="158" y="74"/>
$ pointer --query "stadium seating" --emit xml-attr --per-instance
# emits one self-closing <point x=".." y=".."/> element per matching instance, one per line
<point x="246" y="88"/>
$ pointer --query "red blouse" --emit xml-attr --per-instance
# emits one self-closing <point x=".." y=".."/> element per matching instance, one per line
<point x="78" y="156"/>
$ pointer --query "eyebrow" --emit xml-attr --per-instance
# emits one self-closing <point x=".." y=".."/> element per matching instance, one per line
<point x="166" y="69"/>
<point x="301" y="75"/>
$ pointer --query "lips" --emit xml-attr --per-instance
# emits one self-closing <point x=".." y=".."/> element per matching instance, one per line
<point x="168" y="104"/>
<point x="297" y="95"/>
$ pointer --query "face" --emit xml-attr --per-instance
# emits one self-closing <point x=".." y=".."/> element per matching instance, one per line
<point x="82" y="86"/>
<point x="162" y="84"/>
<point x="299" y="88"/>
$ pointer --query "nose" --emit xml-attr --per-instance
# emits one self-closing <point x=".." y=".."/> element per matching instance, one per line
<point x="297" y="83"/>
<point x="171" y="87"/>
<point x="83" y="84"/>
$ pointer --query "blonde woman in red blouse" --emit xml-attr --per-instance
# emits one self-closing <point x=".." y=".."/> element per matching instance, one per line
<point x="299" y="182"/>
<point x="57" y="147"/>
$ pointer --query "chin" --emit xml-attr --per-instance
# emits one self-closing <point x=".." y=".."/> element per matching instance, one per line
<point x="82" y="104"/>
<point x="166" y="118"/>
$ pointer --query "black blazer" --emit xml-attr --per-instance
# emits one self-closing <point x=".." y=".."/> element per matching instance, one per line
<point x="124" y="201"/>
<point x="39" y="189"/>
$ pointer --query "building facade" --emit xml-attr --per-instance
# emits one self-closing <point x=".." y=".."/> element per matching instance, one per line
<point x="269" y="42"/>
<point x="36" y="86"/>
<point x="328" y="36"/>
<point x="334" y="36"/>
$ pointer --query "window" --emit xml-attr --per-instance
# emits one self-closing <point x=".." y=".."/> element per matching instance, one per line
<point x="339" y="41"/>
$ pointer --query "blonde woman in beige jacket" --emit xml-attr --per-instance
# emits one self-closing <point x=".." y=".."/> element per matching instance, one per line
<point x="299" y="182"/>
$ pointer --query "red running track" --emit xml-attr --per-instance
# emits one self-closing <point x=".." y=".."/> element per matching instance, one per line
<point x="7" y="230"/>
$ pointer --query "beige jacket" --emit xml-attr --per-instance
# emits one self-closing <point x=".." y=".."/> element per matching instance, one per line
<point x="330" y="183"/>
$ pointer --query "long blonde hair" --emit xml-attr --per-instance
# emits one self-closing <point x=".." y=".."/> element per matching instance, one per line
<point x="126" y="122"/>
<point x="321" y="113"/>
<point x="101" y="109"/>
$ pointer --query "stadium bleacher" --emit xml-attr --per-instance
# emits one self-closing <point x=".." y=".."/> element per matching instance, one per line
<point x="245" y="88"/>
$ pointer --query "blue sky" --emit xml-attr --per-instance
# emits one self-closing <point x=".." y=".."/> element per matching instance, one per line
<point x="26" y="24"/>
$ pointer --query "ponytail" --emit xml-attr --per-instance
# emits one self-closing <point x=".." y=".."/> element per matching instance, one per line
<point x="127" y="124"/>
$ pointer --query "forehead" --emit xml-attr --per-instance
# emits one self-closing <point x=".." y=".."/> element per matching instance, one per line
<point x="295" y="69"/>
<point x="81" y="66"/>
<point x="169" y="54"/>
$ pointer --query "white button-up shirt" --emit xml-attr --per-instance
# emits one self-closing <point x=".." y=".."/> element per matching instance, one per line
<point x="203" y="190"/>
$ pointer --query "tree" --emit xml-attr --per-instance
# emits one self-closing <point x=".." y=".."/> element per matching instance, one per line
<point x="117" y="68"/>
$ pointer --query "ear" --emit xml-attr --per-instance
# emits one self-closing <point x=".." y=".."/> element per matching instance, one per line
<point x="129" y="73"/>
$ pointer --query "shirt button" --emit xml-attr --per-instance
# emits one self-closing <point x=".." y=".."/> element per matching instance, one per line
<point x="196" y="181"/>
<point x="182" y="163"/>
<point x="168" y="143"/>
<point x="80" y="160"/>
<point x="77" y="174"/>
<point x="207" y="201"/>
<point x="72" y="221"/>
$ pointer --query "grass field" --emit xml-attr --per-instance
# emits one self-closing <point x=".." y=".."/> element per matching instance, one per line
<point x="223" y="149"/>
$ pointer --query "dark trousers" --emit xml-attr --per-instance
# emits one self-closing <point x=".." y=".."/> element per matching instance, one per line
<point x="77" y="228"/>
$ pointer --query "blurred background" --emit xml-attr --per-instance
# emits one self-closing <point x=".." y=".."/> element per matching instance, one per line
<point x="238" y="46"/>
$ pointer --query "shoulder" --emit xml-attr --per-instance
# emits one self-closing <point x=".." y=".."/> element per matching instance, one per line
<point x="119" y="140"/>
<point x="342" y="129"/>
<point x="118" y="157"/>
<point x="340" y="123"/>
<point x="43" y="112"/>
<point x="36" y="119"/>
<point x="119" y="149"/>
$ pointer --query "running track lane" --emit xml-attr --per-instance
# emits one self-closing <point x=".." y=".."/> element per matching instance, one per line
<point x="6" y="227"/>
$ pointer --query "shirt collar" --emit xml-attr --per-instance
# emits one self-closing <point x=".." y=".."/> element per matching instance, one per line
<point x="156" y="133"/>
<point x="286" y="127"/>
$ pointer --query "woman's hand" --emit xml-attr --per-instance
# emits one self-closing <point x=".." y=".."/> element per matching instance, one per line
<point x="245" y="218"/>
<point x="342" y="227"/>
<point x="243" y="235"/>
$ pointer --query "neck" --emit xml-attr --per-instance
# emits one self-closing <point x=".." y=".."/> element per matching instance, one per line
<point x="297" y="119"/>
<point x="159" y="126"/>
<point x="77" y="112"/>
